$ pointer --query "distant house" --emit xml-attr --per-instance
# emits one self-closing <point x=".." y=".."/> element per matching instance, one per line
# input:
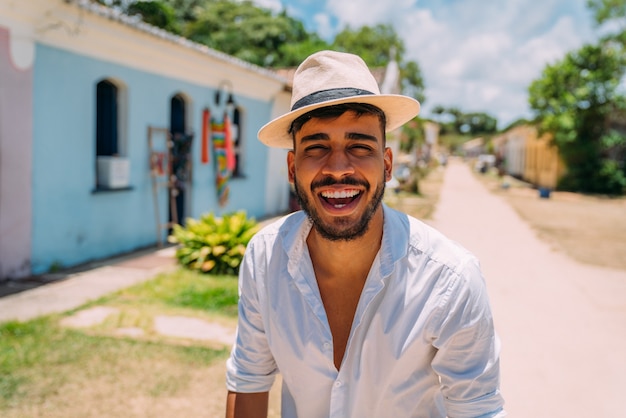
<point x="529" y="156"/>
<point x="97" y="110"/>
<point x="474" y="147"/>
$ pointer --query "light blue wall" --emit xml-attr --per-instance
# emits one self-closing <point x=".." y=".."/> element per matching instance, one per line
<point x="71" y="223"/>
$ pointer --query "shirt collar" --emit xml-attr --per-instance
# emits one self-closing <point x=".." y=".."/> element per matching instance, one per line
<point x="395" y="240"/>
<point x="394" y="245"/>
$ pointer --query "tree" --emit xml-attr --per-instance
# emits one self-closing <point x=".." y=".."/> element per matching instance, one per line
<point x="574" y="100"/>
<point x="156" y="13"/>
<point x="453" y="121"/>
<point x="374" y="44"/>
<point x="245" y="31"/>
<point x="412" y="80"/>
<point x="238" y="28"/>
<point x="613" y="11"/>
<point x="579" y="101"/>
<point x="292" y="53"/>
<point x="477" y="123"/>
<point x="605" y="10"/>
<point x="187" y="10"/>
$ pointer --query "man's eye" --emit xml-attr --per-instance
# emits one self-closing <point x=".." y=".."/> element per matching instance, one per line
<point x="315" y="148"/>
<point x="361" y="147"/>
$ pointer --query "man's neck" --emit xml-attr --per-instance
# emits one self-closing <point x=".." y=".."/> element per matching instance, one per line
<point x="339" y="257"/>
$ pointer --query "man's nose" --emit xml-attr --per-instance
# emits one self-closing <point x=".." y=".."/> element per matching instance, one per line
<point x="338" y="164"/>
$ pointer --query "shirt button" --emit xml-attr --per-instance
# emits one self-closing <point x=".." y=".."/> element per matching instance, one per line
<point x="326" y="345"/>
<point x="338" y="384"/>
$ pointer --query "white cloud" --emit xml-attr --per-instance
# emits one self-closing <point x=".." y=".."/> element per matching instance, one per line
<point x="324" y="26"/>
<point x="356" y="13"/>
<point x="553" y="45"/>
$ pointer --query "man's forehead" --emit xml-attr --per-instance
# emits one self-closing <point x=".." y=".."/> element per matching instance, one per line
<point x="347" y="135"/>
<point x="346" y="122"/>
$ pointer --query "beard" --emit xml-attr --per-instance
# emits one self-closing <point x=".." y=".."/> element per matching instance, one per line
<point x="342" y="228"/>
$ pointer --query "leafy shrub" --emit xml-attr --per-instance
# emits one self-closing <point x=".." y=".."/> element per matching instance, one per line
<point x="213" y="245"/>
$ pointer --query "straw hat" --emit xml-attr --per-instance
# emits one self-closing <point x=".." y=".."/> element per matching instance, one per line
<point x="328" y="78"/>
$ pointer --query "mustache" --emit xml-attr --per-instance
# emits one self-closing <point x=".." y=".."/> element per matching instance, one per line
<point x="346" y="181"/>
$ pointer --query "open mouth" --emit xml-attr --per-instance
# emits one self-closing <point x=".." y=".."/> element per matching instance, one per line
<point x="340" y="198"/>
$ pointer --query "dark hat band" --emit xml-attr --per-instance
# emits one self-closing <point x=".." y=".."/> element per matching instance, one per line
<point x="330" y="94"/>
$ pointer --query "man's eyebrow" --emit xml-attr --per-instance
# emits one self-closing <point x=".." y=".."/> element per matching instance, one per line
<point x="314" y="137"/>
<point x="319" y="136"/>
<point x="361" y="136"/>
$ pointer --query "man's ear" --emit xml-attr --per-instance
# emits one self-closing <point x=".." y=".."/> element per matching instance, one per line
<point x="291" y="169"/>
<point x="388" y="161"/>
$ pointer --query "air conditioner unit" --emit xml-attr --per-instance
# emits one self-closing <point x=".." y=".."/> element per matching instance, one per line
<point x="113" y="172"/>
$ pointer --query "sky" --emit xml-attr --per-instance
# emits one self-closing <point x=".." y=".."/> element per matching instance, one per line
<point x="476" y="55"/>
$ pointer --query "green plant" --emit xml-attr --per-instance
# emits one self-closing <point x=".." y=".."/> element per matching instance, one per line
<point x="55" y="267"/>
<point x="213" y="244"/>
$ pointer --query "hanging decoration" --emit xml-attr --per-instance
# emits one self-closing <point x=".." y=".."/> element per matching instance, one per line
<point x="230" y="149"/>
<point x="220" y="152"/>
<point x="157" y="163"/>
<point x="223" y="147"/>
<point x="206" y="117"/>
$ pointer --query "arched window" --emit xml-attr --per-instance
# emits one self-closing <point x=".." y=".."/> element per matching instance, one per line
<point x="180" y="157"/>
<point x="177" y="115"/>
<point x="112" y="166"/>
<point x="238" y="143"/>
<point x="107" y="129"/>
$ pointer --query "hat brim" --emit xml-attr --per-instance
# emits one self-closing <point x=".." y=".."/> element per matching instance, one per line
<point x="398" y="110"/>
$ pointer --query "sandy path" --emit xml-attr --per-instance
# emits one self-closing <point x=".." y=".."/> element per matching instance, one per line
<point x="562" y="323"/>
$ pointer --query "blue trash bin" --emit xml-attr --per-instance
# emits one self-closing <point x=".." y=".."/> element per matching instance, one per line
<point x="544" y="192"/>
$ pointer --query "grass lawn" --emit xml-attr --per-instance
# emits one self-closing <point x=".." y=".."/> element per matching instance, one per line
<point x="50" y="370"/>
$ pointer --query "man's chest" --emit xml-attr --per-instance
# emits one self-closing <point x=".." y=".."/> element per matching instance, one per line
<point x="340" y="300"/>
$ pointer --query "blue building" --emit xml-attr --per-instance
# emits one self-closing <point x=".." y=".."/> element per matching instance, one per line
<point x="104" y="134"/>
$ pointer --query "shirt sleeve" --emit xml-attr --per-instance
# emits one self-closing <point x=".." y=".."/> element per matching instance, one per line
<point x="251" y="367"/>
<point x="468" y="349"/>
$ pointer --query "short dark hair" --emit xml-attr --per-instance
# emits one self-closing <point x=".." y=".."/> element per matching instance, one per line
<point x="334" y="111"/>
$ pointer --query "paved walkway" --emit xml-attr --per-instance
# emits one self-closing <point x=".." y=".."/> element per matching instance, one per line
<point x="562" y="324"/>
<point x="75" y="289"/>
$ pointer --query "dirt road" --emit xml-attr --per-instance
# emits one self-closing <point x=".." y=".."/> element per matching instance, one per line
<point x="562" y="323"/>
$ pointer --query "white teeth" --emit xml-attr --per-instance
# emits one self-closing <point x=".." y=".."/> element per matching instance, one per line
<point x="340" y="194"/>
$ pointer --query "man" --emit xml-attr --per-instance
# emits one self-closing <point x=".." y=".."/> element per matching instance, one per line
<point x="364" y="311"/>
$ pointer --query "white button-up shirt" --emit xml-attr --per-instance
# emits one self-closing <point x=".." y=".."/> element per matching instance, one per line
<point x="422" y="342"/>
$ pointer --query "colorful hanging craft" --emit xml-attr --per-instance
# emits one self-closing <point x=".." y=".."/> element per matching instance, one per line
<point x="206" y="115"/>
<point x="224" y="156"/>
<point x="230" y="151"/>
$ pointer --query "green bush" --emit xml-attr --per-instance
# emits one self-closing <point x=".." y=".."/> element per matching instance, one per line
<point x="213" y="245"/>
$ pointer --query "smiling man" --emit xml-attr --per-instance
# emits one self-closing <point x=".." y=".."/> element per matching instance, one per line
<point x="364" y="311"/>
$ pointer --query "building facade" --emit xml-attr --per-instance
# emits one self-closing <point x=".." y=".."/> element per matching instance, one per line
<point x="108" y="134"/>
<point x="530" y="156"/>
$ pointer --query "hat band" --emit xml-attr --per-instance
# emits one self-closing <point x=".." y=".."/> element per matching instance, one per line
<point x="331" y="94"/>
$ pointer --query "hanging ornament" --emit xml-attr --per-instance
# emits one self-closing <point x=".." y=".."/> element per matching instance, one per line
<point x="219" y="151"/>
<point x="231" y="162"/>
<point x="206" y="117"/>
